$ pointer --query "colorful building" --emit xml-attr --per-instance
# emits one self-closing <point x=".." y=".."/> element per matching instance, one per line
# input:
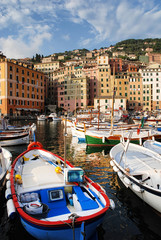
<point x="21" y="89"/>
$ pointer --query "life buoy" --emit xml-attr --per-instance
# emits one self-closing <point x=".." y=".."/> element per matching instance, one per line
<point x="35" y="145"/>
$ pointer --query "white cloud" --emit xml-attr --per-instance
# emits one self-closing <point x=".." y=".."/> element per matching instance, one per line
<point x="66" y="37"/>
<point x="31" y="24"/>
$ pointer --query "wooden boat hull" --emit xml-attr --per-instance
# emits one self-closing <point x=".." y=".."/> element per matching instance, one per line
<point x="103" y="142"/>
<point x="15" y="139"/>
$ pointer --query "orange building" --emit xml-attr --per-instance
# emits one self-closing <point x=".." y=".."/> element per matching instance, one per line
<point x="21" y="89"/>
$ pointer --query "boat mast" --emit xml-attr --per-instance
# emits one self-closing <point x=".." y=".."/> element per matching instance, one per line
<point x="113" y="98"/>
<point x="65" y="134"/>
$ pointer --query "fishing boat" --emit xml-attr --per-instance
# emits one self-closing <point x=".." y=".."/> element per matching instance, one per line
<point x="56" y="118"/>
<point x="108" y="138"/>
<point x="11" y="138"/>
<point x="140" y="170"/>
<point x="53" y="199"/>
<point x="153" y="145"/>
<point x="17" y="136"/>
<point x="41" y="118"/>
<point x="5" y="163"/>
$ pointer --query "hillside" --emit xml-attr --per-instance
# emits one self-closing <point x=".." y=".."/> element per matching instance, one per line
<point x="138" y="46"/>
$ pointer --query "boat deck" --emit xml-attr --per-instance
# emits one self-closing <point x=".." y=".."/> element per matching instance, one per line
<point x="138" y="161"/>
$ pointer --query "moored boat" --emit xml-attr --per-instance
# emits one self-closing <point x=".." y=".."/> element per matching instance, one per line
<point x="153" y="145"/>
<point x="139" y="169"/>
<point x="5" y="163"/>
<point x="11" y="138"/>
<point x="41" y="117"/>
<point x="53" y="199"/>
<point x="108" y="138"/>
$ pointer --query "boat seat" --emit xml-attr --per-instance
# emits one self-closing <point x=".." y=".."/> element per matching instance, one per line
<point x="56" y="208"/>
<point x="98" y="199"/>
<point x="85" y="202"/>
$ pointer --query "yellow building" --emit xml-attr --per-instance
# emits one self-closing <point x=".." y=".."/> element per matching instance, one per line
<point x="21" y="89"/>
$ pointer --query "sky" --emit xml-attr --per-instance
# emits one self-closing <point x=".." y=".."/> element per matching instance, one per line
<point x="45" y="27"/>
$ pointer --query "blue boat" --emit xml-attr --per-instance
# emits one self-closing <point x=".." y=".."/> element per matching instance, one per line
<point x="53" y="199"/>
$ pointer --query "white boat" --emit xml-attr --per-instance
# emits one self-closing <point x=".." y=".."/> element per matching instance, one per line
<point x="11" y="138"/>
<point x="140" y="170"/>
<point x="54" y="117"/>
<point x="17" y="135"/>
<point x="153" y="145"/>
<point x="5" y="163"/>
<point x="53" y="199"/>
<point x="41" y="118"/>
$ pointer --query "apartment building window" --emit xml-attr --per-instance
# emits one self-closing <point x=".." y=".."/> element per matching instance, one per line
<point x="17" y="70"/>
<point x="28" y="73"/>
<point x="158" y="91"/>
<point x="32" y="74"/>
<point x="33" y="104"/>
<point x="17" y="86"/>
<point x="22" y="71"/>
<point x="0" y="101"/>
<point x="101" y="79"/>
<point x="101" y="85"/>
<point x="101" y="91"/>
<point x="10" y="68"/>
<point x="22" y="94"/>
<point x="28" y="95"/>
<point x="10" y="76"/>
<point x="17" y="94"/>
<point x="10" y="85"/>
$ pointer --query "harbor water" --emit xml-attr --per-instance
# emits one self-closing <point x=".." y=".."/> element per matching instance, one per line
<point x="131" y="218"/>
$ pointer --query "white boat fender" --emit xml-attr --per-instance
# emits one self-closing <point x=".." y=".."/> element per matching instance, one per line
<point x="8" y="194"/>
<point x="136" y="188"/>
<point x="112" y="204"/>
<point x="8" y="176"/>
<point x="11" y="210"/>
<point x="115" y="169"/>
<point x="127" y="181"/>
<point x="120" y="174"/>
<point x="103" y="139"/>
<point x="8" y="184"/>
<point x="112" y="163"/>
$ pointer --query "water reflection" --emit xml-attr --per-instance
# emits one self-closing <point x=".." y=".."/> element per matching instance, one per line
<point x="131" y="219"/>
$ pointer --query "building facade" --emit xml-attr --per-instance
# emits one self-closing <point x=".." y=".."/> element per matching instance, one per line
<point x="21" y="89"/>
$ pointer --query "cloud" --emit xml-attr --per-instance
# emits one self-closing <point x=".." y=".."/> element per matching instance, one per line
<point x="30" y="25"/>
<point x="118" y="19"/>
<point x="66" y="37"/>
